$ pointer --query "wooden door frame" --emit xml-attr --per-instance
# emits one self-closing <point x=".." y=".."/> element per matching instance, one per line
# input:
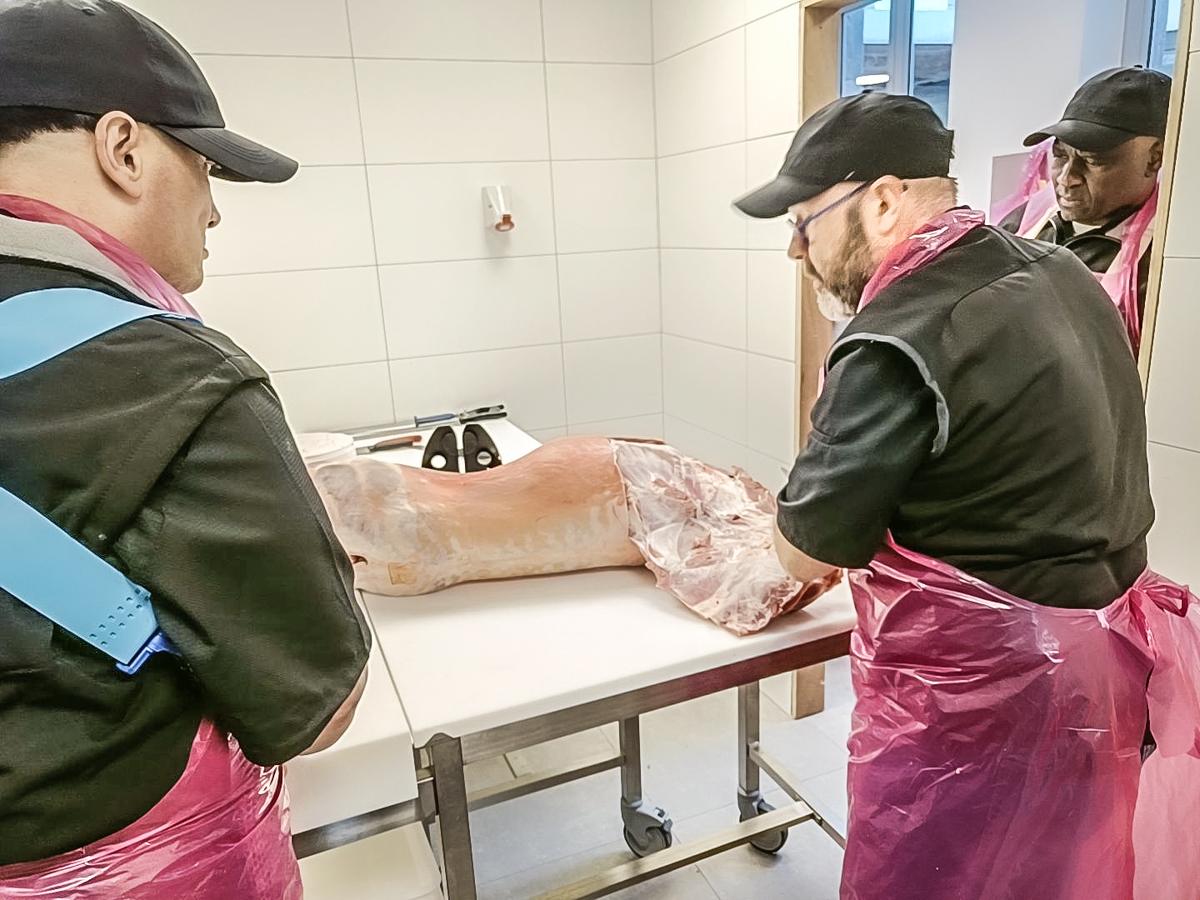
<point x="1170" y="165"/>
<point x="820" y="85"/>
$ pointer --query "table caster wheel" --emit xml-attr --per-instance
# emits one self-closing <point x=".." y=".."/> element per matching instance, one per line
<point x="647" y="829"/>
<point x="653" y="840"/>
<point x="771" y="842"/>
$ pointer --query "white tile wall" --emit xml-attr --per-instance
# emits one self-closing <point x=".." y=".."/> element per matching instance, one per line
<point x="704" y="295"/>
<point x="336" y="398"/>
<point x="706" y="386"/>
<point x="528" y="380"/>
<point x="756" y="9"/>
<point x="319" y="219"/>
<point x="1183" y="236"/>
<point x="770" y="472"/>
<point x="545" y="435"/>
<point x="1172" y="408"/>
<point x="1175" y="485"/>
<point x="435" y="309"/>
<point x="263" y="27"/>
<point x="605" y="205"/>
<point x="254" y="104"/>
<point x="617" y="31"/>
<point x="419" y="106"/>
<point x="700" y="96"/>
<point x="680" y="24"/>
<point x="435" y="212"/>
<point x="771" y="290"/>
<point x="601" y="111"/>
<point x="771" y="406"/>
<point x="764" y="157"/>
<point x="696" y="191"/>
<point x="728" y="289"/>
<point x="613" y="378"/>
<point x="704" y="445"/>
<point x="773" y="73"/>
<point x="452" y="111"/>
<point x="447" y="29"/>
<point x="299" y="320"/>
<point x="609" y="294"/>
<point x="635" y="427"/>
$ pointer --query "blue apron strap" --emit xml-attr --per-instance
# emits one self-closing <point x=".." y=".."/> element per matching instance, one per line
<point x="47" y="569"/>
<point x="44" y="567"/>
<point x="40" y="325"/>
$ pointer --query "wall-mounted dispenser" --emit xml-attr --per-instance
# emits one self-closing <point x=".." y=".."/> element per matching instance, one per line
<point x="497" y="208"/>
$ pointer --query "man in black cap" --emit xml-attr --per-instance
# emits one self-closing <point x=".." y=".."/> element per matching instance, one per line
<point x="1106" y="158"/>
<point x="966" y="450"/>
<point x="161" y="448"/>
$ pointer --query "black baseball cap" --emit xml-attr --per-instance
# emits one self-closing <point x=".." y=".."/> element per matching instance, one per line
<point x="858" y="138"/>
<point x="1113" y="107"/>
<point x="97" y="56"/>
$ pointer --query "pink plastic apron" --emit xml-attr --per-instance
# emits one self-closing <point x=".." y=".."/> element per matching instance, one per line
<point x="1121" y="279"/>
<point x="222" y="832"/>
<point x="995" y="749"/>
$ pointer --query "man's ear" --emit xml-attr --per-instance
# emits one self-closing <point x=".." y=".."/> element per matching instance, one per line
<point x="121" y="152"/>
<point x="883" y="201"/>
<point x="1154" y="166"/>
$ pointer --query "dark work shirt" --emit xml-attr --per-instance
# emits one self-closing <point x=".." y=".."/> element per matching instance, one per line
<point x="845" y="489"/>
<point x="987" y="411"/>
<point x="1097" y="248"/>
<point x="162" y="446"/>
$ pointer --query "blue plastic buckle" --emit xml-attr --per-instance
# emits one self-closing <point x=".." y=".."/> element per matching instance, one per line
<point x="158" y="643"/>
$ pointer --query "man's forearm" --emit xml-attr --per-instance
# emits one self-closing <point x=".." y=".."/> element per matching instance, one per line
<point x="797" y="563"/>
<point x="341" y="719"/>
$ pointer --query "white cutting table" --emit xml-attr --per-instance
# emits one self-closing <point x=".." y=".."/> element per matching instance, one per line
<point x="483" y="669"/>
<point x="366" y="773"/>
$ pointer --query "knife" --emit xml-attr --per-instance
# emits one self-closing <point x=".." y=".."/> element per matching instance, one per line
<point x="421" y="423"/>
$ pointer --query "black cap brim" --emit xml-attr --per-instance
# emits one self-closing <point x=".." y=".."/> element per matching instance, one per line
<point x="777" y="196"/>
<point x="235" y="158"/>
<point x="1086" y="136"/>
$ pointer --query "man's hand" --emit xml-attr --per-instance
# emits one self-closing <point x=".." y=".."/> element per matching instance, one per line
<point x="798" y="564"/>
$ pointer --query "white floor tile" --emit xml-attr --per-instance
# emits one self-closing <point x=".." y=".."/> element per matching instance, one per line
<point x="827" y="795"/>
<point x="838" y="690"/>
<point x="488" y="773"/>
<point x="808" y="866"/>
<point x="566" y="750"/>
<point x="541" y="828"/>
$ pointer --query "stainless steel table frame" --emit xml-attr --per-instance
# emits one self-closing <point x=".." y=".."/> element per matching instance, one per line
<point x="441" y="777"/>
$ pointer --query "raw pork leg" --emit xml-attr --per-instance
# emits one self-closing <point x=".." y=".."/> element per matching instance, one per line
<point x="413" y="531"/>
<point x="575" y="503"/>
<point x="708" y="536"/>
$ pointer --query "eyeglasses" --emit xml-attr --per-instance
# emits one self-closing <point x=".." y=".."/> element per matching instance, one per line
<point x="800" y="229"/>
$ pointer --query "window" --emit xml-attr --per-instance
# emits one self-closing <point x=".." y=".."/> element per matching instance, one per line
<point x="1152" y="34"/>
<point x="1164" y="35"/>
<point x="899" y="46"/>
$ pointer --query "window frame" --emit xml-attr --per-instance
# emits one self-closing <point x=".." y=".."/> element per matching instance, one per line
<point x="1145" y="21"/>
<point x="901" y="73"/>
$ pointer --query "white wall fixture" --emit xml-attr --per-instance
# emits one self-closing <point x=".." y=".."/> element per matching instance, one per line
<point x="497" y="208"/>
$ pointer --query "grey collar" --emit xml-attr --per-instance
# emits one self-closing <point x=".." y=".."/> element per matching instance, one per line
<point x="60" y="246"/>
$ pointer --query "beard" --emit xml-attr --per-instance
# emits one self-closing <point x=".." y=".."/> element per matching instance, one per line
<point x="840" y="289"/>
<point x="834" y="308"/>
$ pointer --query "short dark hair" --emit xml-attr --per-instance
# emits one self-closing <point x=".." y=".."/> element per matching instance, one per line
<point x="20" y="123"/>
